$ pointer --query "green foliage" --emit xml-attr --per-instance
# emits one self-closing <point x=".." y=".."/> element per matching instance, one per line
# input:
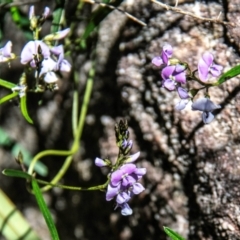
<point x="45" y="211"/>
<point x="233" y="72"/>
<point x="24" y="110"/>
<point x="173" y="235"/>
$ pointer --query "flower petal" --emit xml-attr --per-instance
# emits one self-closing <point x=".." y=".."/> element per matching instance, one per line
<point x="157" y="61"/>
<point x="216" y="70"/>
<point x="167" y="72"/>
<point x="133" y="158"/>
<point x="122" y="197"/>
<point x="100" y="162"/>
<point x="205" y="105"/>
<point x="169" y="84"/>
<point x="207" y="117"/>
<point x="183" y="93"/>
<point x="137" y="188"/>
<point x="112" y="191"/>
<point x="126" y="210"/>
<point x="208" y="58"/>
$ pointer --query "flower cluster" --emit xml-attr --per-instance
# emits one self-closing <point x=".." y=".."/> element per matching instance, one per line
<point x="123" y="179"/>
<point x="41" y="57"/>
<point x="175" y="75"/>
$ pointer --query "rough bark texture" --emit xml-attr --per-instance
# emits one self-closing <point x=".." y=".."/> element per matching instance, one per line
<point x="192" y="180"/>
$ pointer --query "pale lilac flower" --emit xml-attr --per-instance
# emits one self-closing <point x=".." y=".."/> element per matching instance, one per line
<point x="62" y="64"/>
<point x="173" y="76"/>
<point x="46" y="12"/>
<point x="125" y="209"/>
<point x="206" y="66"/>
<point x="6" y="52"/>
<point x="50" y="77"/>
<point x="165" y="55"/>
<point x="57" y="35"/>
<point x="34" y="52"/>
<point x="207" y="107"/>
<point x="31" y="13"/>
<point x="100" y="162"/>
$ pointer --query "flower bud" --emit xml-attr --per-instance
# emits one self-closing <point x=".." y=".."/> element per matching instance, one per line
<point x="57" y="35"/>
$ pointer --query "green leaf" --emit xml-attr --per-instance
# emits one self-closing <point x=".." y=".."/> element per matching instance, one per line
<point x="12" y="223"/>
<point x="233" y="72"/>
<point x="173" y="235"/>
<point x="8" y="97"/>
<point x="16" y="173"/>
<point x="7" y="84"/>
<point x="23" y="104"/>
<point x="45" y="211"/>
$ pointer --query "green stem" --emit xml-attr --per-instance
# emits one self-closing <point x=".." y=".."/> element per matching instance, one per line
<point x="77" y="135"/>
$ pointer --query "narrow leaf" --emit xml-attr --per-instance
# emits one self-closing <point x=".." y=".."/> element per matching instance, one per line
<point x="7" y="84"/>
<point x="16" y="173"/>
<point x="8" y="97"/>
<point x="45" y="211"/>
<point x="173" y="235"/>
<point x="233" y="72"/>
<point x="23" y="104"/>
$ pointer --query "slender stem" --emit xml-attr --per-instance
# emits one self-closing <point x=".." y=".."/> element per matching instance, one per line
<point x="77" y="136"/>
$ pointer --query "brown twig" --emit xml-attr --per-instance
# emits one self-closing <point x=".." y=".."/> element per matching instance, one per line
<point x="179" y="10"/>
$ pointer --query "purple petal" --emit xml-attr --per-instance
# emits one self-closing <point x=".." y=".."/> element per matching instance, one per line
<point x="216" y="70"/>
<point x="128" y="168"/>
<point x="122" y="197"/>
<point x="205" y="105"/>
<point x="61" y="34"/>
<point x="57" y="50"/>
<point x="157" y="61"/>
<point x="100" y="162"/>
<point x="31" y="13"/>
<point x="137" y="188"/>
<point x="126" y="210"/>
<point x="179" y="68"/>
<point x="133" y="158"/>
<point x="65" y="66"/>
<point x="129" y="180"/>
<point x="181" y="105"/>
<point x="183" y="93"/>
<point x="140" y="171"/>
<point x="202" y="70"/>
<point x="116" y="177"/>
<point x="7" y="49"/>
<point x="169" y="84"/>
<point x="167" y="72"/>
<point x="180" y="77"/>
<point x="207" y="117"/>
<point x="46" y="12"/>
<point x="208" y="58"/>
<point x="167" y="49"/>
<point x="112" y="191"/>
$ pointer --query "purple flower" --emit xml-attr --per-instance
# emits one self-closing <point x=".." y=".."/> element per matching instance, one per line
<point x="62" y="64"/>
<point x="165" y="55"/>
<point x="206" y="106"/>
<point x="126" y="210"/>
<point x="123" y="185"/>
<point x="173" y="76"/>
<point x="206" y="65"/>
<point x="6" y="52"/>
<point x="34" y="52"/>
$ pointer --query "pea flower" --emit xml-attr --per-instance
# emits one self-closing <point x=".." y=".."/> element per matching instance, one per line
<point x="6" y="52"/>
<point x="34" y="52"/>
<point x="173" y="76"/>
<point x="165" y="55"/>
<point x="206" y="66"/>
<point x="123" y="185"/>
<point x="207" y="107"/>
